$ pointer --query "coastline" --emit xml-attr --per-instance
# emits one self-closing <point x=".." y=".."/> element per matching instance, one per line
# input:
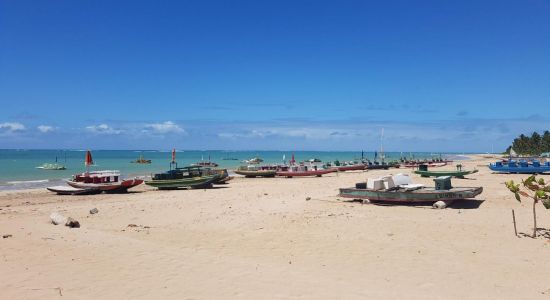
<point x="261" y="238"/>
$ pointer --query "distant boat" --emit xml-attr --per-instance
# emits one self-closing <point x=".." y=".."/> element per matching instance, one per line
<point x="52" y="166"/>
<point x="255" y="160"/>
<point x="459" y="173"/>
<point x="141" y="160"/>
<point x="205" y="163"/>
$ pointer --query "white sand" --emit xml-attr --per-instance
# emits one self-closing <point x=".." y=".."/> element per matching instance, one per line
<point x="260" y="239"/>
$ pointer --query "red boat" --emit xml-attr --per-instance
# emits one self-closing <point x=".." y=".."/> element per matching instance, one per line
<point x="104" y="181"/>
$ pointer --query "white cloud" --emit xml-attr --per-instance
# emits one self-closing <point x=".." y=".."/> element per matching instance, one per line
<point x="102" y="129"/>
<point x="45" y="128"/>
<point x="11" y="127"/>
<point x="166" y="127"/>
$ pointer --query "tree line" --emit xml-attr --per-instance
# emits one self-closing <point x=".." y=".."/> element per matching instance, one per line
<point x="534" y="145"/>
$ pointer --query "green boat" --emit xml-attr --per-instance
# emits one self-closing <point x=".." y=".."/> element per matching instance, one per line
<point x="186" y="177"/>
<point x="459" y="173"/>
<point x="412" y="193"/>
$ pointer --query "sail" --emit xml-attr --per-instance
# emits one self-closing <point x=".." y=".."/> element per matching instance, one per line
<point x="512" y="152"/>
<point x="89" y="161"/>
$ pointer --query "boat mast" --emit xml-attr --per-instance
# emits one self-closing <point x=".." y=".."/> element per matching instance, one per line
<point x="382" y="145"/>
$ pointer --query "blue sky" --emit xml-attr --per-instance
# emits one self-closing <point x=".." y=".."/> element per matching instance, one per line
<point x="279" y="75"/>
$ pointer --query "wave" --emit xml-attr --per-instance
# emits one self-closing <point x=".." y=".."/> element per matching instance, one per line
<point x="28" y="181"/>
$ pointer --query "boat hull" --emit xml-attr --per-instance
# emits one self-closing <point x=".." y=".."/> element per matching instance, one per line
<point x="519" y="169"/>
<point x="458" y="174"/>
<point x="259" y="173"/>
<point x="113" y="187"/>
<point x="349" y="168"/>
<point x="194" y="182"/>
<point x="318" y="173"/>
<point x="420" y="195"/>
<point x="69" y="190"/>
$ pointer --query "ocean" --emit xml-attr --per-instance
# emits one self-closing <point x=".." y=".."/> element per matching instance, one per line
<point x="18" y="167"/>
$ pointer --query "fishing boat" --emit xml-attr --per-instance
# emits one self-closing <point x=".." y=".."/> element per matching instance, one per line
<point x="459" y="173"/>
<point x="347" y="166"/>
<point x="377" y="166"/>
<point x="141" y="160"/>
<point x="186" y="177"/>
<point x="205" y="163"/>
<point x="255" y="160"/>
<point x="51" y="166"/>
<point x="105" y="181"/>
<point x="400" y="189"/>
<point x="301" y="171"/>
<point x="251" y="171"/>
<point x="521" y="167"/>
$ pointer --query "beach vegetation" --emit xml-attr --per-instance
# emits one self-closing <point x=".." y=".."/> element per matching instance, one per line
<point x="536" y="189"/>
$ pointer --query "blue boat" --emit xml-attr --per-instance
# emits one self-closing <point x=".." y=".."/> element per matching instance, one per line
<point x="521" y="167"/>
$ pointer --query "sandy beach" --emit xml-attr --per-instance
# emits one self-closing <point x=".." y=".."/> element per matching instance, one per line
<point x="261" y="239"/>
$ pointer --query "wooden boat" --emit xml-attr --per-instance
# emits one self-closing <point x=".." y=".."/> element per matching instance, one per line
<point x="252" y="171"/>
<point x="205" y="163"/>
<point x="377" y="166"/>
<point x="349" y="167"/>
<point x="410" y="193"/>
<point x="186" y="177"/>
<point x="141" y="160"/>
<point x="105" y="181"/>
<point x="301" y="171"/>
<point x="69" y="190"/>
<point x="459" y="173"/>
<point x="255" y="160"/>
<point x="523" y="167"/>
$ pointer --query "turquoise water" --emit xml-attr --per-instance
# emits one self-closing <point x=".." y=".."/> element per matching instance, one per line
<point x="18" y="167"/>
